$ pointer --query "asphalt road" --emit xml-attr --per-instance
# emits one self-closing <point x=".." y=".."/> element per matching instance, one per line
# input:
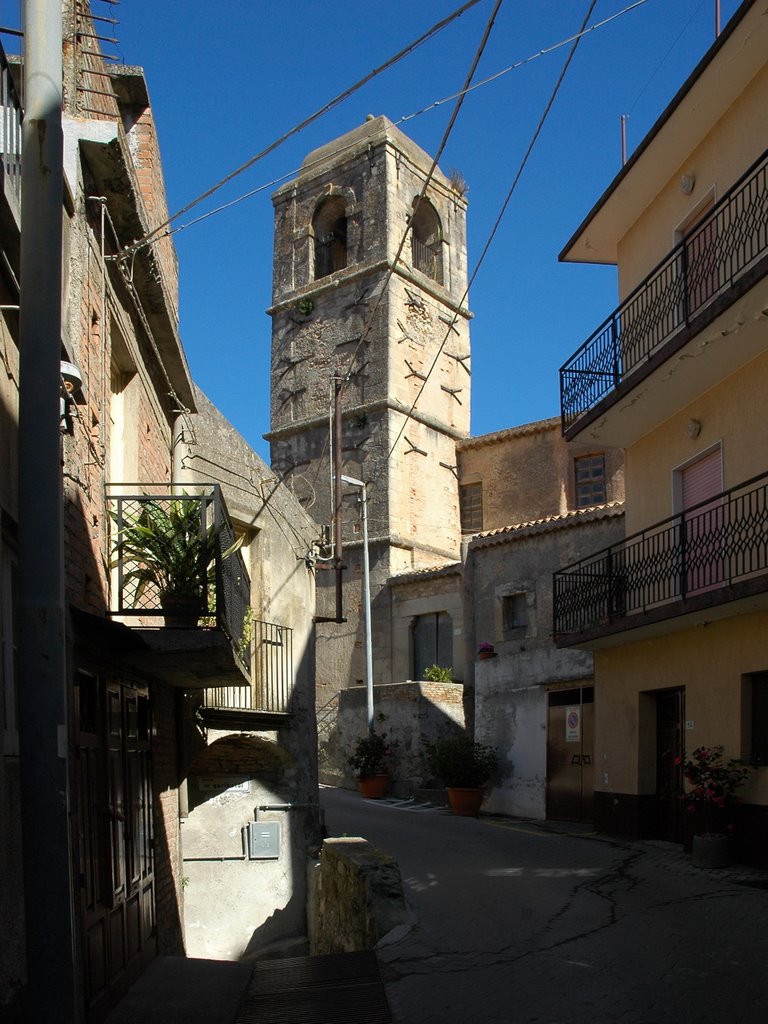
<point x="535" y="923"/>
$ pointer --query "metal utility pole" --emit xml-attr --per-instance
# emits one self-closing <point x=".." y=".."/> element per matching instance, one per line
<point x="43" y="732"/>
<point x="367" y="597"/>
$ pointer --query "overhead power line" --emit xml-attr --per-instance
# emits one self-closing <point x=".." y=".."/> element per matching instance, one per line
<point x="308" y="120"/>
<point x="434" y="105"/>
<point x="498" y="220"/>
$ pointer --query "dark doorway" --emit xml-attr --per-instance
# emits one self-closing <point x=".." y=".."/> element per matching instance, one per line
<point x="570" y="754"/>
<point x="432" y="642"/>
<point x="670" y="706"/>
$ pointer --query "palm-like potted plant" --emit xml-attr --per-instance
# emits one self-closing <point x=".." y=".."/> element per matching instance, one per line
<point x="171" y="554"/>
<point x="712" y="784"/>
<point x="371" y="760"/>
<point x="464" y="767"/>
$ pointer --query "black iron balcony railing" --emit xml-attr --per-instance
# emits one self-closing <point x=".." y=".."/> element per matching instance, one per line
<point x="175" y="555"/>
<point x="711" y="258"/>
<point x="11" y="116"/>
<point x="709" y="554"/>
<point x="272" y="678"/>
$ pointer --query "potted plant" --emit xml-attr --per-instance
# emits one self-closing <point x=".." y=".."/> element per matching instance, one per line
<point x="171" y="554"/>
<point x="438" y="674"/>
<point x="370" y="760"/>
<point x="464" y="767"/>
<point x="712" y="789"/>
<point x="485" y="651"/>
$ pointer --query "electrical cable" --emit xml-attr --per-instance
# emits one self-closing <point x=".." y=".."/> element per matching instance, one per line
<point x="419" y="199"/>
<point x="150" y="239"/>
<point x="497" y="223"/>
<point x="336" y="101"/>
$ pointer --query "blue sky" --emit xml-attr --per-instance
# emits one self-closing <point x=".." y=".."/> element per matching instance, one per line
<point x="227" y="79"/>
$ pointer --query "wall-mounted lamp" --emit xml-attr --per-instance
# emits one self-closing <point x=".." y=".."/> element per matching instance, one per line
<point x="693" y="429"/>
<point x="687" y="183"/>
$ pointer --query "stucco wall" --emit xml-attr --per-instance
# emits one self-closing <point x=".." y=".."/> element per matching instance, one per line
<point x="709" y="663"/>
<point x="731" y="414"/>
<point x="410" y="713"/>
<point x="527" y="472"/>
<point x="729" y="148"/>
<point x="511" y="689"/>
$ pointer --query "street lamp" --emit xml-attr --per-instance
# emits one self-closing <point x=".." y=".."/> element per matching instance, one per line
<point x="367" y="589"/>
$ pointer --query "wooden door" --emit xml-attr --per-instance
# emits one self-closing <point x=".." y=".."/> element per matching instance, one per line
<point x="114" y="816"/>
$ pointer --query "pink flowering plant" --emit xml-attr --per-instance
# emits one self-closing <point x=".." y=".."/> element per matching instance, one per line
<point x="712" y="784"/>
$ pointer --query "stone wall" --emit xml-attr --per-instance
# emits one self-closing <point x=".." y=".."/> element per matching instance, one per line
<point x="411" y="714"/>
<point x="356" y="897"/>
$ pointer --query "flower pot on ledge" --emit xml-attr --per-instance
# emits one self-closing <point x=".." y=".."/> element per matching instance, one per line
<point x="373" y="787"/>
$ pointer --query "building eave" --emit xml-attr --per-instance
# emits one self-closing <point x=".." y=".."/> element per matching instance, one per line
<point x="721" y="75"/>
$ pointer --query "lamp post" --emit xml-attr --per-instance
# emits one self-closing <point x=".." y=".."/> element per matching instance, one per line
<point x="367" y="593"/>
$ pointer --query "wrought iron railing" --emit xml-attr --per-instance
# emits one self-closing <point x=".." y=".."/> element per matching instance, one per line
<point x="709" y="259"/>
<point x="11" y="116"/>
<point x="699" y="553"/>
<point x="172" y="555"/>
<point x="426" y="258"/>
<point x="272" y="679"/>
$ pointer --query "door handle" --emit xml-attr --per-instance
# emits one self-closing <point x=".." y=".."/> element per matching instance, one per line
<point x="576" y="759"/>
<point x="586" y="759"/>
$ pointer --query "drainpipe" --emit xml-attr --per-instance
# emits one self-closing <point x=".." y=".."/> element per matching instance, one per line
<point x="43" y="730"/>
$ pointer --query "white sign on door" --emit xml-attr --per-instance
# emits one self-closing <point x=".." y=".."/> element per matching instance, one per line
<point x="573" y="724"/>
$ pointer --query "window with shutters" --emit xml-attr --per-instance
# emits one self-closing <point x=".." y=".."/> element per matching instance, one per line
<point x="697" y="487"/>
<point x="589" y="473"/>
<point x="471" y="507"/>
<point x="432" y="642"/>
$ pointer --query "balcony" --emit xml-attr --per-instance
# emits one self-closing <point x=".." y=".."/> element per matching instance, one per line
<point x="706" y="563"/>
<point x="716" y="263"/>
<point x="177" y="571"/>
<point x="268" y="702"/>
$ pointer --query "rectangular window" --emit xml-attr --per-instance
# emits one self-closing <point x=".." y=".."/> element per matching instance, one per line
<point x="471" y="507"/>
<point x="514" y="610"/>
<point x="589" y="472"/>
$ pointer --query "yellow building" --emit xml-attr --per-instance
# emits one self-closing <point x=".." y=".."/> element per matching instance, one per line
<point x="677" y="613"/>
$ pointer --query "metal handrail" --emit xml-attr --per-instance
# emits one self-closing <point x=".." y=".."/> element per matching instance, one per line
<point x="219" y="580"/>
<point x="724" y="244"/>
<point x="711" y="546"/>
<point x="272" y="680"/>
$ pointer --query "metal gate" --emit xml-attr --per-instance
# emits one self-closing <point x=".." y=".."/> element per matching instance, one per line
<point x="570" y="754"/>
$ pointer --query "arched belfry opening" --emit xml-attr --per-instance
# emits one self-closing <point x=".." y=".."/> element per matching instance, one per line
<point x="329" y="227"/>
<point x="427" y="240"/>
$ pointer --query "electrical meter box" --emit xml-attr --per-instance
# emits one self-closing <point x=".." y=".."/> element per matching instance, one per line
<point x="263" y="840"/>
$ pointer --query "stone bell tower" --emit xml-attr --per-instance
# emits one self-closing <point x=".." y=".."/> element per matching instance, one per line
<point x="369" y="286"/>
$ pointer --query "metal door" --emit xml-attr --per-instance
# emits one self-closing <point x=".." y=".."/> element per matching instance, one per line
<point x="570" y="754"/>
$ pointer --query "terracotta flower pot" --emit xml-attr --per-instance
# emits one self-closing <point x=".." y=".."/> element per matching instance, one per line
<point x="486" y="655"/>
<point x="465" y="801"/>
<point x="373" y="787"/>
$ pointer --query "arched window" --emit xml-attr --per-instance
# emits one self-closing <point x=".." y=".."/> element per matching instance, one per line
<point x="329" y="225"/>
<point x="426" y="240"/>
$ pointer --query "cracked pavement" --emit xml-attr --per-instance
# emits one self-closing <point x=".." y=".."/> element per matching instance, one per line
<point x="521" y="922"/>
